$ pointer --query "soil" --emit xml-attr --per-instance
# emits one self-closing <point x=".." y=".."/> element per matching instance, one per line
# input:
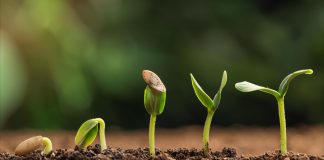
<point x="249" y="143"/>
<point x="94" y="153"/>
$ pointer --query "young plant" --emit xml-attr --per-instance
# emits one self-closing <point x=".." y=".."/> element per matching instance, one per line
<point x="280" y="96"/>
<point x="88" y="131"/>
<point x="34" y="143"/>
<point x="210" y="104"/>
<point x="154" y="102"/>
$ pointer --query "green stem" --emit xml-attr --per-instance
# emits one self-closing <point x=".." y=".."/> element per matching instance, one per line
<point x="47" y="145"/>
<point x="282" y="120"/>
<point x="102" y="134"/>
<point x="151" y="135"/>
<point x="206" y="132"/>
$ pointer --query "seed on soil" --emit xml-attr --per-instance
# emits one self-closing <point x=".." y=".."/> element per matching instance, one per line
<point x="33" y="144"/>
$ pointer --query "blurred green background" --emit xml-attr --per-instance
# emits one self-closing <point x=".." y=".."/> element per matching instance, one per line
<point x="64" y="61"/>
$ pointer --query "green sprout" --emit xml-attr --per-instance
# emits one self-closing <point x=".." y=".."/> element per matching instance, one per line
<point x="280" y="96"/>
<point x="88" y="131"/>
<point x="154" y="102"/>
<point x="34" y="143"/>
<point x="210" y="104"/>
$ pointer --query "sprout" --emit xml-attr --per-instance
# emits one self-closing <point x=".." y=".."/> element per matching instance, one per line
<point x="34" y="143"/>
<point x="154" y="101"/>
<point x="280" y="95"/>
<point x="210" y="104"/>
<point x="88" y="131"/>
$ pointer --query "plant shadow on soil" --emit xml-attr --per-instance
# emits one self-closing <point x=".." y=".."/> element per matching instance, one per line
<point x="94" y="153"/>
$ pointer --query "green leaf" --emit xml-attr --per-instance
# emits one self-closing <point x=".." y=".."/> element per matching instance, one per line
<point x="162" y="102"/>
<point x="250" y="87"/>
<point x="86" y="133"/>
<point x="283" y="88"/>
<point x="218" y="95"/>
<point x="154" y="101"/>
<point x="200" y="93"/>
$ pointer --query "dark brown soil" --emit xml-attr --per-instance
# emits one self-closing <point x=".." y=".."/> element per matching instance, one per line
<point x="250" y="142"/>
<point x="93" y="153"/>
<point x="247" y="140"/>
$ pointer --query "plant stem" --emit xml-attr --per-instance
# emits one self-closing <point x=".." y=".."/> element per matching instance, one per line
<point x="206" y="132"/>
<point x="47" y="145"/>
<point x="151" y="135"/>
<point x="282" y="120"/>
<point x="102" y="134"/>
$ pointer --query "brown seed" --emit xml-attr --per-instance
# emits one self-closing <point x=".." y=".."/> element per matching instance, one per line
<point x="153" y="80"/>
<point x="29" y="145"/>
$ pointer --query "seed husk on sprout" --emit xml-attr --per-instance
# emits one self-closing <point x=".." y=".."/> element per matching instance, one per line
<point x="154" y="102"/>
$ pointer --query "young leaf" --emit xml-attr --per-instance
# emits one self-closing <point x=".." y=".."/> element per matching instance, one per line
<point x="154" y="101"/>
<point x="200" y="93"/>
<point x="218" y="95"/>
<point x="249" y="87"/>
<point x="86" y="133"/>
<point x="47" y="144"/>
<point x="161" y="103"/>
<point x="283" y="88"/>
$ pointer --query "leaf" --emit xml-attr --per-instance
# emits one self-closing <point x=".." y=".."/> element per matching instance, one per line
<point x="154" y="101"/>
<point x="250" y="87"/>
<point x="90" y="137"/>
<point x="284" y="85"/>
<point x="200" y="93"/>
<point x="148" y="101"/>
<point x="86" y="133"/>
<point x="161" y="103"/>
<point x="218" y="95"/>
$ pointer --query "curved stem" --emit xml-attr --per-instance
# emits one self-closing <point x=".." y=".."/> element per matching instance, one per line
<point x="47" y="145"/>
<point x="206" y="132"/>
<point x="282" y="120"/>
<point x="151" y="135"/>
<point x="102" y="134"/>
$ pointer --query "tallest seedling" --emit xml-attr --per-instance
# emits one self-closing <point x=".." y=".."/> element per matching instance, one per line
<point x="154" y="101"/>
<point x="210" y="104"/>
<point x="280" y="96"/>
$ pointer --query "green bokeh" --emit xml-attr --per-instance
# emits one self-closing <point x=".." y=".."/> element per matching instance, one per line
<point x="79" y="60"/>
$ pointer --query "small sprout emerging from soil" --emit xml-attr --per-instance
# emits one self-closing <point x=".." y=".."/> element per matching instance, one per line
<point x="34" y="143"/>
<point x="280" y="96"/>
<point x="210" y="104"/>
<point x="154" y="102"/>
<point x="88" y="131"/>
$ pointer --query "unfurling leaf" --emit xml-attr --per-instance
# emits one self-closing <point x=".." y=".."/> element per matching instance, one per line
<point x="200" y="93"/>
<point x="250" y="87"/>
<point x="218" y="95"/>
<point x="283" y="88"/>
<point x="87" y="133"/>
<point x="154" y="102"/>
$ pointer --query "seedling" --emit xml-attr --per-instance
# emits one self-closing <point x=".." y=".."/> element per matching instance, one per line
<point x="34" y="143"/>
<point x="210" y="104"/>
<point x="154" y="102"/>
<point x="280" y="96"/>
<point x="88" y="131"/>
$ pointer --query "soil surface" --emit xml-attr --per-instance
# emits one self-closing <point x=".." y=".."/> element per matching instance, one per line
<point x="94" y="153"/>
<point x="249" y="143"/>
